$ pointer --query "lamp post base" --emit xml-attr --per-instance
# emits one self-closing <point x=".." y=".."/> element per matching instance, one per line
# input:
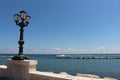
<point x="20" y="57"/>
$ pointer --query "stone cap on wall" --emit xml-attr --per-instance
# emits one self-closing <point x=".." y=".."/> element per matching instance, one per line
<point x="23" y="62"/>
<point x="64" y="76"/>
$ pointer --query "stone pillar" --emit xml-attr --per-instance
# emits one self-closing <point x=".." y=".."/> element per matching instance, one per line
<point x="19" y="69"/>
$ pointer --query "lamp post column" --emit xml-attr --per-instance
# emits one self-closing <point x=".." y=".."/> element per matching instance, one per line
<point x="24" y="18"/>
<point x="21" y="41"/>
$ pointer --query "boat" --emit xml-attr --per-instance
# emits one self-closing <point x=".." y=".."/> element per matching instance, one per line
<point x="61" y="55"/>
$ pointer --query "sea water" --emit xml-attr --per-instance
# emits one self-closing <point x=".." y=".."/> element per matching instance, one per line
<point x="101" y="67"/>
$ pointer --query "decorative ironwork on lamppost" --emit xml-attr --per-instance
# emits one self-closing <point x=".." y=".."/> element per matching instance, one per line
<point x="22" y="21"/>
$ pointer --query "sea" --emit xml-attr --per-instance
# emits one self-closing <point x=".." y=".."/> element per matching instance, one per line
<point x="100" y="67"/>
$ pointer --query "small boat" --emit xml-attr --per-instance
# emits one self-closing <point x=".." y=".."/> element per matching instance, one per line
<point x="61" y="55"/>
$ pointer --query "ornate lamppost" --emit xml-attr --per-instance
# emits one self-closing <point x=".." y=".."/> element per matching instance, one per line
<point x="22" y="21"/>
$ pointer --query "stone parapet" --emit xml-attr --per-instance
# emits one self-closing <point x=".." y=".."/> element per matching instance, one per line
<point x="26" y="70"/>
<point x="19" y="69"/>
<point x="46" y="76"/>
<point x="38" y="75"/>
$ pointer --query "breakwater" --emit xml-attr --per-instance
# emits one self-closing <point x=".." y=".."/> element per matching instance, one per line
<point x="85" y="57"/>
<point x="5" y="56"/>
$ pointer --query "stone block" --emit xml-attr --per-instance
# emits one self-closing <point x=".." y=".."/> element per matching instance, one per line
<point x="19" y="69"/>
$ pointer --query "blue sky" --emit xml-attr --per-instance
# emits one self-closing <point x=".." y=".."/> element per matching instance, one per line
<point x="62" y="26"/>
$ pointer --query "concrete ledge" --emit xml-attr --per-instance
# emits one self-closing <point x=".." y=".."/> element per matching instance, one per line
<point x="87" y="75"/>
<point x="63" y="76"/>
<point x="107" y="78"/>
<point x="46" y="76"/>
<point x="3" y="66"/>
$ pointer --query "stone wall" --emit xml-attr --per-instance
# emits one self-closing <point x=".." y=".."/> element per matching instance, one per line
<point x="52" y="76"/>
<point x="46" y="76"/>
<point x="26" y="70"/>
<point x="19" y="69"/>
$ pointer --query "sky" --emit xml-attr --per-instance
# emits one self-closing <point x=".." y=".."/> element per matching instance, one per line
<point x="62" y="26"/>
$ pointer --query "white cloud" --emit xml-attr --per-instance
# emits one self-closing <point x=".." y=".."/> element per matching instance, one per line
<point x="8" y="50"/>
<point x="56" y="49"/>
<point x="61" y="50"/>
<point x="101" y="48"/>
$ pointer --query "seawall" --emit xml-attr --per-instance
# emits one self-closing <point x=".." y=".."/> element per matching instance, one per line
<point x="26" y="70"/>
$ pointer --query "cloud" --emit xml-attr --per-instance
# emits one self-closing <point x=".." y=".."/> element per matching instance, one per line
<point x="56" y="49"/>
<point x="61" y="50"/>
<point x="101" y="48"/>
<point x="8" y="50"/>
<point x="53" y="50"/>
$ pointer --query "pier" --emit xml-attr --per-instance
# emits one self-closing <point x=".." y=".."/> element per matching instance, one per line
<point x="85" y="57"/>
<point x="5" y="56"/>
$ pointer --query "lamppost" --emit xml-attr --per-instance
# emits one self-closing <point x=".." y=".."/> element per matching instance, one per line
<point x="22" y="21"/>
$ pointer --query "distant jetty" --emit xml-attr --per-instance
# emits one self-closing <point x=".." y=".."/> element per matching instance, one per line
<point x="1" y="56"/>
<point x="85" y="57"/>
